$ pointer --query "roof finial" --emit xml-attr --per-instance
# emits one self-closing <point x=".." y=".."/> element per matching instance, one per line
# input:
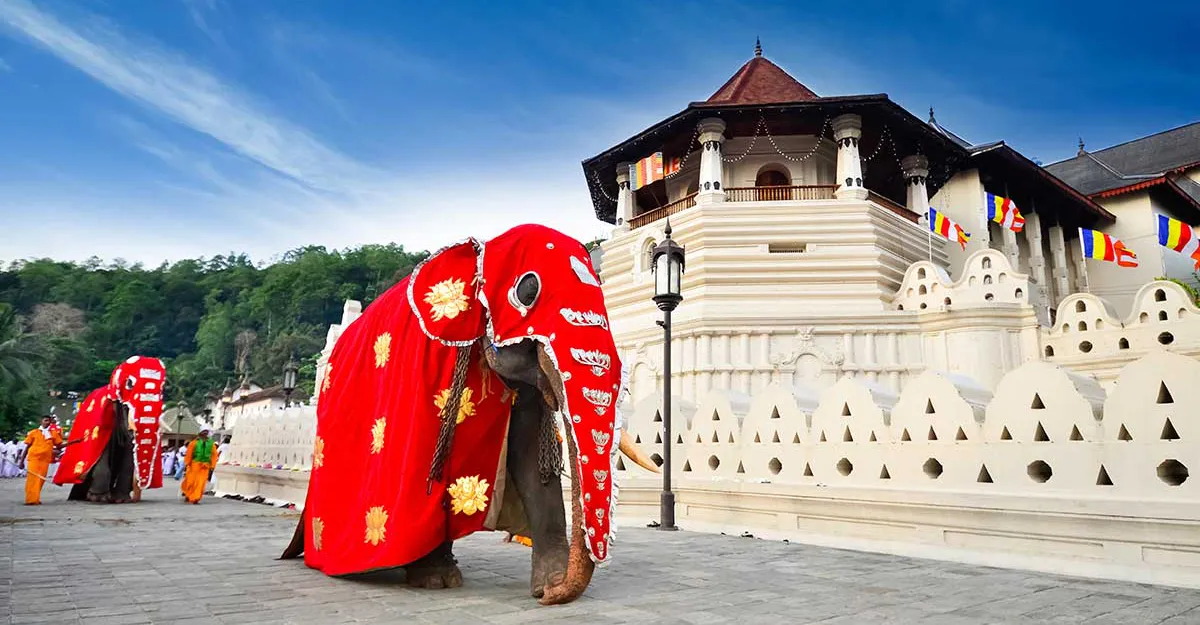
<point x="757" y="47"/>
<point x="1081" y="150"/>
<point x="931" y="119"/>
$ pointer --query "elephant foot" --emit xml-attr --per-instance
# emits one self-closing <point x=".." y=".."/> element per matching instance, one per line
<point x="435" y="571"/>
<point x="539" y="584"/>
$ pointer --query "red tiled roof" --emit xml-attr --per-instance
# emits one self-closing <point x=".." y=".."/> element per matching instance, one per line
<point x="760" y="81"/>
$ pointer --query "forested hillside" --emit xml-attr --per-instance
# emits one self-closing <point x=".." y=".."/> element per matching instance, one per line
<point x="209" y="320"/>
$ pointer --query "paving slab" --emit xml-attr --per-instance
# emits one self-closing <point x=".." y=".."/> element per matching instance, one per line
<point x="162" y="561"/>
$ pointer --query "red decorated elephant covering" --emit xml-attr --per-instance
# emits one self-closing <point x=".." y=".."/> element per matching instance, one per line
<point x="136" y="383"/>
<point x="371" y="501"/>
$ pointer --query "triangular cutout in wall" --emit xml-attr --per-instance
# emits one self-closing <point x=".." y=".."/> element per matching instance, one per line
<point x="1164" y="395"/>
<point x="658" y="417"/>
<point x="679" y="439"/>
<point x="716" y="417"/>
<point x="904" y="436"/>
<point x="1037" y="402"/>
<point x="822" y="436"/>
<point x="1004" y="435"/>
<point x="775" y="437"/>
<point x="1123" y="434"/>
<point x="1075" y="434"/>
<point x="984" y="476"/>
<point x="846" y="437"/>
<point x="1039" y="435"/>
<point x="807" y="470"/>
<point x="932" y="435"/>
<point x="775" y="412"/>
<point x="637" y="439"/>
<point x="687" y="466"/>
<point x="1168" y="432"/>
<point x="740" y="468"/>
<point x="730" y="437"/>
<point x="757" y="438"/>
<point x="883" y="473"/>
<point x="960" y="435"/>
<point x="929" y="407"/>
<point x="796" y="438"/>
<point x="873" y="439"/>
<point x="1102" y="478"/>
<point x="845" y="410"/>
<point x="658" y="438"/>
<point x="620" y="463"/>
<point x="716" y="439"/>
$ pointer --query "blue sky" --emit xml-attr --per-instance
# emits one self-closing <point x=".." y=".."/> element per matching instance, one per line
<point x="165" y="129"/>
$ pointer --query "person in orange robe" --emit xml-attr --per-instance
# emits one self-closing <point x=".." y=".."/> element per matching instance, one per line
<point x="39" y="452"/>
<point x="201" y="458"/>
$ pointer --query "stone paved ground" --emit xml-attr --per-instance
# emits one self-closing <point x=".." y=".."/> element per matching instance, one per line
<point x="165" y="562"/>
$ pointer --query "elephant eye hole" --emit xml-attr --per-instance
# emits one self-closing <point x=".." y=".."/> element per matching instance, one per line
<point x="526" y="291"/>
<point x="129" y="383"/>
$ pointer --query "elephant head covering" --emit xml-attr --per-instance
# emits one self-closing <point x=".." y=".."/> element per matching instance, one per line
<point x="416" y="360"/>
<point x="135" y="384"/>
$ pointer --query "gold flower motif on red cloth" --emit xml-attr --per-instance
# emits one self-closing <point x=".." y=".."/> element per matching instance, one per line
<point x="376" y="525"/>
<point x="466" y="408"/>
<point x="318" y="526"/>
<point x="383" y="349"/>
<point x="87" y="435"/>
<point x="78" y="467"/>
<point x="91" y="404"/>
<point x="319" y="453"/>
<point x="447" y="299"/>
<point x="377" y="431"/>
<point x="468" y="495"/>
<point x="95" y="432"/>
<point x="329" y="376"/>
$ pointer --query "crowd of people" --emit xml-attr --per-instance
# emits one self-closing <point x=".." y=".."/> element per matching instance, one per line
<point x="36" y="457"/>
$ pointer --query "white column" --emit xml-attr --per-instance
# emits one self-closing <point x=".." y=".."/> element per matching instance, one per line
<point x="847" y="130"/>
<point x="916" y="171"/>
<point x="1010" y="248"/>
<point x="1058" y="256"/>
<point x="711" y="167"/>
<point x="1040" y="298"/>
<point x="1081" y="278"/>
<point x="624" y="198"/>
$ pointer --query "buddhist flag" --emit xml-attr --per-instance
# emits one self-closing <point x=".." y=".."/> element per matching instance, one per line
<point x="1178" y="236"/>
<point x="671" y="166"/>
<point x="1100" y="246"/>
<point x="646" y="171"/>
<point x="943" y="225"/>
<point x="1004" y="212"/>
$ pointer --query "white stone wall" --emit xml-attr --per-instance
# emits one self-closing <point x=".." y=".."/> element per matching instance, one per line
<point x="1089" y="337"/>
<point x="280" y="439"/>
<point x="1043" y="431"/>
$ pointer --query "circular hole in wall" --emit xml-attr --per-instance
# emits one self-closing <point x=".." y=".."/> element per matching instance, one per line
<point x="1166" y="338"/>
<point x="844" y="467"/>
<point x="1019" y="293"/>
<point x="1160" y="295"/>
<point x="1123" y="344"/>
<point x="1162" y="315"/>
<point x="989" y="297"/>
<point x="1085" y="346"/>
<point x="714" y="462"/>
<point x="1172" y="472"/>
<point x="1049" y="352"/>
<point x="1039" y="471"/>
<point x="932" y="468"/>
<point x="923" y="306"/>
<point x="774" y="466"/>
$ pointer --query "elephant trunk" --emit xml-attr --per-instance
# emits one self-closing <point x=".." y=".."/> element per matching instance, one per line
<point x="579" y="562"/>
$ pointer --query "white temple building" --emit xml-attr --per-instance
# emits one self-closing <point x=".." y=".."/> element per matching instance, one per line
<point x="842" y="377"/>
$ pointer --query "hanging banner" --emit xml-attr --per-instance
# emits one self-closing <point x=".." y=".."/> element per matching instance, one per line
<point x="646" y="171"/>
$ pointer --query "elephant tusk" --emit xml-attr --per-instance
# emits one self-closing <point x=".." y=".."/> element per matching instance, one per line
<point x="636" y="454"/>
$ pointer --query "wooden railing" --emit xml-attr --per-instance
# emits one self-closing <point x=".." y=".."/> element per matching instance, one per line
<point x="779" y="194"/>
<point x="892" y="206"/>
<point x="677" y="206"/>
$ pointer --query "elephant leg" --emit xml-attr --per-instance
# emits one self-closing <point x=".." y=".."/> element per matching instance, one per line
<point x="122" y="467"/>
<point x="79" y="492"/>
<point x="101" y="478"/>
<point x="438" y="569"/>
<point x="543" y="502"/>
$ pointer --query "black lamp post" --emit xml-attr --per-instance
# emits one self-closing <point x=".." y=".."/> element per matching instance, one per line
<point x="289" y="381"/>
<point x="668" y="275"/>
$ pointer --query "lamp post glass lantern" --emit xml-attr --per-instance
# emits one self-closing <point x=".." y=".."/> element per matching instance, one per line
<point x="667" y="266"/>
<point x="289" y="381"/>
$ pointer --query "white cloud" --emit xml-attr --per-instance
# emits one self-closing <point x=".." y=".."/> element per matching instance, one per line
<point x="4" y="66"/>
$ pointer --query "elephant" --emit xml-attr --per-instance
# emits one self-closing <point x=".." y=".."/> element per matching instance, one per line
<point x="113" y="446"/>
<point x="439" y="416"/>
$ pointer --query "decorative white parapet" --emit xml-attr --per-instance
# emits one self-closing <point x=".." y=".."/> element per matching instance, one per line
<point x="987" y="279"/>
<point x="351" y="311"/>
<point x="1089" y="337"/>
